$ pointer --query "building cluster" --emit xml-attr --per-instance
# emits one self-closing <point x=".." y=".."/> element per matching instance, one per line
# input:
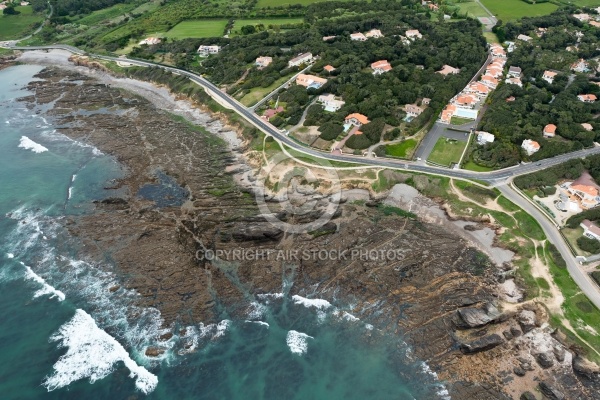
<point x="466" y="103"/>
<point x="5" y="4"/>
<point x="592" y="20"/>
<point x="361" y="37"/>
<point x="581" y="194"/>
<point x="205" y="51"/>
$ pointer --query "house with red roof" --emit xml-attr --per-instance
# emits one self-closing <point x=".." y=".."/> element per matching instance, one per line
<point x="549" y="131"/>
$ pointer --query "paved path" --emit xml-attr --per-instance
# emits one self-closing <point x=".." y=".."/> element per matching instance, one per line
<point x="285" y="84"/>
<point x="581" y="278"/>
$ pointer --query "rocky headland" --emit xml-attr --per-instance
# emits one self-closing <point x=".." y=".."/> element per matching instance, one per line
<point x="441" y="292"/>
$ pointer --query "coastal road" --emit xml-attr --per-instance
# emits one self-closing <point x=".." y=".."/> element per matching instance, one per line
<point x="497" y="178"/>
<point x="581" y="278"/>
<point x="493" y="177"/>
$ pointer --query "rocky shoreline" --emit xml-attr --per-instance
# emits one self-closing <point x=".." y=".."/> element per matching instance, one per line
<point x="441" y="293"/>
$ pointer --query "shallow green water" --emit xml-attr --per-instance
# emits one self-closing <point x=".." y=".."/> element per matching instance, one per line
<point x="336" y="355"/>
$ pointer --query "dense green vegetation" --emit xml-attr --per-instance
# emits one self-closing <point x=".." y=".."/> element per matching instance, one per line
<point x="540" y="103"/>
<point x="569" y="170"/>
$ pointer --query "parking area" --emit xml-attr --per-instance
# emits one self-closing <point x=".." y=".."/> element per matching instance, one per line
<point x="438" y="131"/>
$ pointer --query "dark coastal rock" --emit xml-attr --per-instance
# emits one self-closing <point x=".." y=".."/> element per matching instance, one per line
<point x="476" y="317"/>
<point x="166" y="336"/>
<point x="527" y="396"/>
<point x="154" y="351"/>
<point x="113" y="289"/>
<point x="516" y="332"/>
<point x="483" y="344"/>
<point x="519" y="371"/>
<point x="507" y="335"/>
<point x="527" y="320"/>
<point x="114" y="201"/>
<point x="257" y="233"/>
<point x="551" y="392"/>
<point x="545" y="360"/>
<point x="586" y="368"/>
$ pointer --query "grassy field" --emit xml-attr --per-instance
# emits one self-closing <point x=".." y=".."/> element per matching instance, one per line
<point x="510" y="10"/>
<point x="402" y="149"/>
<point x="491" y="37"/>
<point x="583" y="3"/>
<point x="275" y="3"/>
<point x="17" y="26"/>
<point x="473" y="9"/>
<point x="258" y="93"/>
<point x="106" y="14"/>
<point x="265" y="21"/>
<point x="460" y="121"/>
<point x="447" y="151"/>
<point x="198" y="29"/>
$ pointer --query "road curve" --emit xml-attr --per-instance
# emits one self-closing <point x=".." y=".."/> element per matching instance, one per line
<point x="499" y="177"/>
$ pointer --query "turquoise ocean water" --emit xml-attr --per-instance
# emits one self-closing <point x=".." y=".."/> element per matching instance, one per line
<point x="64" y="335"/>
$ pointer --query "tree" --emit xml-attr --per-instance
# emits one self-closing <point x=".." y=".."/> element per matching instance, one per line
<point x="10" y="10"/>
<point x="248" y="29"/>
<point x="330" y="130"/>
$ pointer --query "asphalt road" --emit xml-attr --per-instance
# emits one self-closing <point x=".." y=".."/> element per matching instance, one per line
<point x="493" y="177"/>
<point x="498" y="178"/>
<point x="581" y="278"/>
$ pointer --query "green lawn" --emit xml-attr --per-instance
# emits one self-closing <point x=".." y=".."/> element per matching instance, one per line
<point x="402" y="149"/>
<point x="473" y="9"/>
<point x="200" y="28"/>
<point x="583" y="3"/>
<point x="17" y="26"/>
<point x="447" y="151"/>
<point x="510" y="10"/>
<point x="258" y="93"/>
<point x="491" y="37"/>
<point x="471" y="166"/>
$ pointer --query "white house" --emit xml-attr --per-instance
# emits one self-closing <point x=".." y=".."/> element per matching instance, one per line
<point x="205" y="51"/>
<point x="357" y="119"/>
<point x="587" y="98"/>
<point x="515" y="72"/>
<point x="549" y="76"/>
<point x="300" y="59"/>
<point x="514" y="81"/>
<point x="263" y="62"/>
<point x="380" y="67"/>
<point x="524" y="38"/>
<point x="330" y="103"/>
<point x="590" y="230"/>
<point x="448" y="70"/>
<point x="530" y="146"/>
<point x="358" y="36"/>
<point x="374" y="33"/>
<point x="413" y="110"/>
<point x="484" y="137"/>
<point x="150" y="41"/>
<point x="413" y="34"/>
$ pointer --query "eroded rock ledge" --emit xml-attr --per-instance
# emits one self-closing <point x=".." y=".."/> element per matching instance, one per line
<point x="441" y="293"/>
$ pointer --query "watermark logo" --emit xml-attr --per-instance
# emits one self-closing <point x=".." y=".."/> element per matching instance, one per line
<point x="288" y="193"/>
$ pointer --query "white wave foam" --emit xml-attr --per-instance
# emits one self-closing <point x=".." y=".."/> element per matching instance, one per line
<point x="349" y="317"/>
<point x="222" y="328"/>
<point x="442" y="392"/>
<point x="46" y="288"/>
<point x="308" y="303"/>
<point x="266" y="296"/>
<point x="257" y="322"/>
<point x="297" y="342"/>
<point x="10" y="255"/>
<point x="256" y="310"/>
<point x="92" y="353"/>
<point x="29" y="144"/>
<point x="369" y="327"/>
